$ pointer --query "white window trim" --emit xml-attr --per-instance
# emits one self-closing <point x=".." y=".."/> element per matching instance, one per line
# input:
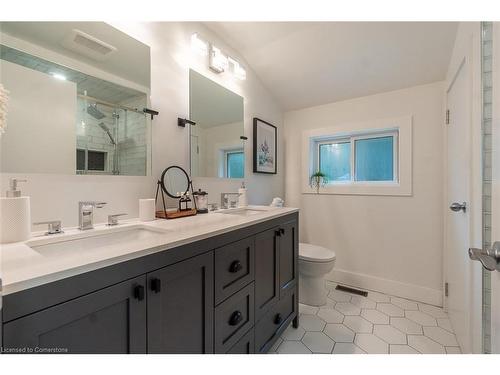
<point x="402" y="183"/>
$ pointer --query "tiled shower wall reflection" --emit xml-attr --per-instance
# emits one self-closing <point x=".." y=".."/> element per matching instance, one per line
<point x="487" y="57"/>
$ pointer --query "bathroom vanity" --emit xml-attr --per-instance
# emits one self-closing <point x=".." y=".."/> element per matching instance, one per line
<point x="223" y="282"/>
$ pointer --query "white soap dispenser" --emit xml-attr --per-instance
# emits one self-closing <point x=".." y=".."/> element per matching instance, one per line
<point x="15" y="220"/>
<point x="242" y="195"/>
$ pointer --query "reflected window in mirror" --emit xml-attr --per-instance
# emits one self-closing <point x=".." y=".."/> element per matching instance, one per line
<point x="216" y="146"/>
<point x="83" y="123"/>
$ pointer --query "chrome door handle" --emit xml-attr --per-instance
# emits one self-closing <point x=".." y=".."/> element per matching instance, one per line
<point x="456" y="207"/>
<point x="490" y="259"/>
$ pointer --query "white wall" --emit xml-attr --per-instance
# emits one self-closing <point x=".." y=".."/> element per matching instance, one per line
<point x="387" y="243"/>
<point x="56" y="196"/>
<point x="41" y="135"/>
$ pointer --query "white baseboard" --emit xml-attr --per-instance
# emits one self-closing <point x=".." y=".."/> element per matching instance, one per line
<point x="395" y="288"/>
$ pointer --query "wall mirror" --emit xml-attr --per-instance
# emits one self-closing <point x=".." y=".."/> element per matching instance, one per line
<point x="216" y="147"/>
<point x="77" y="91"/>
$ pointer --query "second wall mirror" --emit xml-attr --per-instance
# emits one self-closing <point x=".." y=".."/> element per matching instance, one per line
<point x="217" y="149"/>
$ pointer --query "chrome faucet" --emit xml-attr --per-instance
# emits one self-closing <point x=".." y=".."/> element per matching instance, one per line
<point x="86" y="214"/>
<point x="224" y="200"/>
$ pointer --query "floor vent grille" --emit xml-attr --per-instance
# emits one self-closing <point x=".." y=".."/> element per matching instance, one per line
<point x="351" y="290"/>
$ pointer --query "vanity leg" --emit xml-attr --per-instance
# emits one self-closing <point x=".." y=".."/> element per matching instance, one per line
<point x="295" y="322"/>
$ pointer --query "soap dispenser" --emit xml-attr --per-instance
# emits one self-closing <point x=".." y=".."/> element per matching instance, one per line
<point x="242" y="195"/>
<point x="15" y="220"/>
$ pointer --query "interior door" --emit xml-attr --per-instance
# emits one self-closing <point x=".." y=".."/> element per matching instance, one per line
<point x="456" y="262"/>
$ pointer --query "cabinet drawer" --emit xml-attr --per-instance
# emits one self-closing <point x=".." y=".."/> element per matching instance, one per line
<point x="234" y="268"/>
<point x="275" y="321"/>
<point x="233" y="318"/>
<point x="246" y="345"/>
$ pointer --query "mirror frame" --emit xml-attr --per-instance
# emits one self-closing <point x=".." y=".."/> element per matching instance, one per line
<point x="162" y="180"/>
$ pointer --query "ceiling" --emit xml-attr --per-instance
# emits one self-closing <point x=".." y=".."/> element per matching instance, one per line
<point x="305" y="64"/>
<point x="131" y="60"/>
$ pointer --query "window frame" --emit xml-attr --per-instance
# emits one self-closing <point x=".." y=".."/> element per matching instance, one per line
<point x="400" y="128"/>
<point x="351" y="139"/>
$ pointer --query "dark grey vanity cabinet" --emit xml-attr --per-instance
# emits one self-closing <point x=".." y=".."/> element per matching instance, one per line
<point x="111" y="320"/>
<point x="231" y="293"/>
<point x="181" y="308"/>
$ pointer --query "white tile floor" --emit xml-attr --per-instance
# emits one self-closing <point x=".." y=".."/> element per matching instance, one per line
<point x="379" y="323"/>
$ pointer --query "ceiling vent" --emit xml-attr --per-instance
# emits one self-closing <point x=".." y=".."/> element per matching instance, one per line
<point x="87" y="45"/>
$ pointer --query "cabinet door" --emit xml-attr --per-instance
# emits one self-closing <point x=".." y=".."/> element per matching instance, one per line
<point x="112" y="320"/>
<point x="246" y="345"/>
<point x="288" y="256"/>
<point x="266" y="271"/>
<point x="181" y="307"/>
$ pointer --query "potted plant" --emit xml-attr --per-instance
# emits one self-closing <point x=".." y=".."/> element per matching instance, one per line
<point x="317" y="180"/>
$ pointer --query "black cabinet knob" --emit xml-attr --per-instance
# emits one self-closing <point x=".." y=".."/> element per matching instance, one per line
<point x="156" y="285"/>
<point x="282" y="231"/>
<point x="278" y="319"/>
<point x="235" y="266"/>
<point x="139" y="292"/>
<point x="236" y="317"/>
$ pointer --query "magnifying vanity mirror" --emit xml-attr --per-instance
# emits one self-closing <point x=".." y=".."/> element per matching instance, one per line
<point x="77" y="93"/>
<point x="217" y="149"/>
<point x="175" y="181"/>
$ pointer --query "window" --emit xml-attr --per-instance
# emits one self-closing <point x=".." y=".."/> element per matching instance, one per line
<point x="359" y="158"/>
<point x="235" y="164"/>
<point x="364" y="158"/>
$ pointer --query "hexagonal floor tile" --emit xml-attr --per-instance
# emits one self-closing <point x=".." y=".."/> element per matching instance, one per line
<point x="339" y="333"/>
<point x="347" y="348"/>
<point x="294" y="334"/>
<point x="378" y="297"/>
<point x="318" y="342"/>
<point x="306" y="309"/>
<point x="441" y="336"/>
<point x="425" y="345"/>
<point x="363" y="302"/>
<point x="407" y="326"/>
<point x="402" y="349"/>
<point x="371" y="344"/>
<point x="330" y="315"/>
<point x="375" y="316"/>
<point x="293" y="347"/>
<point x="347" y="308"/>
<point x="312" y="323"/>
<point x="390" y="309"/>
<point x="339" y="296"/>
<point x="453" y="350"/>
<point x="358" y="324"/>
<point x="389" y="334"/>
<point x="445" y="324"/>
<point x="421" y="318"/>
<point x="436" y="312"/>
<point x="404" y="303"/>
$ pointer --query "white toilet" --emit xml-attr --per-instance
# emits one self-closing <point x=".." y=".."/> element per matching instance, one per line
<point x="314" y="263"/>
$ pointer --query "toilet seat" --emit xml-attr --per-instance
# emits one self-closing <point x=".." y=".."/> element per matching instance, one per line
<point x="317" y="254"/>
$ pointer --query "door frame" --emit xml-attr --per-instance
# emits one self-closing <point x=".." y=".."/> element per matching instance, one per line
<point x="469" y="58"/>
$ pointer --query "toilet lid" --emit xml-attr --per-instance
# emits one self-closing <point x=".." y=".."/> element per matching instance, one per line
<point x="313" y="253"/>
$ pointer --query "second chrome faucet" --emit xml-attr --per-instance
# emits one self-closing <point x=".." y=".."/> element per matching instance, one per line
<point x="86" y="214"/>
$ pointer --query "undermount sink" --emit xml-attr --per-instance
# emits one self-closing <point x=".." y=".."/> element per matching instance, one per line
<point x="244" y="211"/>
<point x="100" y="239"/>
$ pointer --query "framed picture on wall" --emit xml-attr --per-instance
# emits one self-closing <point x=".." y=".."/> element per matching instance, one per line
<point x="265" y="156"/>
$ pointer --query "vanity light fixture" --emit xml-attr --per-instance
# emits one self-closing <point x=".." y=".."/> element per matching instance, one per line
<point x="198" y="45"/>
<point x="216" y="60"/>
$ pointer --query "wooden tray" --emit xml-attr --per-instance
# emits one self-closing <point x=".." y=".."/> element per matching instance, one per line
<point x="175" y="214"/>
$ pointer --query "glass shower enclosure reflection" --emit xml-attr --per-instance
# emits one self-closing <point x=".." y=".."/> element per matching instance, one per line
<point x="111" y="138"/>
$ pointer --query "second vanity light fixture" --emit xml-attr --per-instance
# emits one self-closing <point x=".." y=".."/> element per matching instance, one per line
<point x="217" y="60"/>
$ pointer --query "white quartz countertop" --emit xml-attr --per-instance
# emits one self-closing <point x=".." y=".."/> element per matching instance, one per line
<point x="44" y="259"/>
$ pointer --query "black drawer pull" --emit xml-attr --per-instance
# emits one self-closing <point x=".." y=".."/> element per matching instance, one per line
<point x="282" y="231"/>
<point x="235" y="266"/>
<point x="278" y="319"/>
<point x="277" y="233"/>
<point x="235" y="318"/>
<point x="139" y="292"/>
<point x="156" y="285"/>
